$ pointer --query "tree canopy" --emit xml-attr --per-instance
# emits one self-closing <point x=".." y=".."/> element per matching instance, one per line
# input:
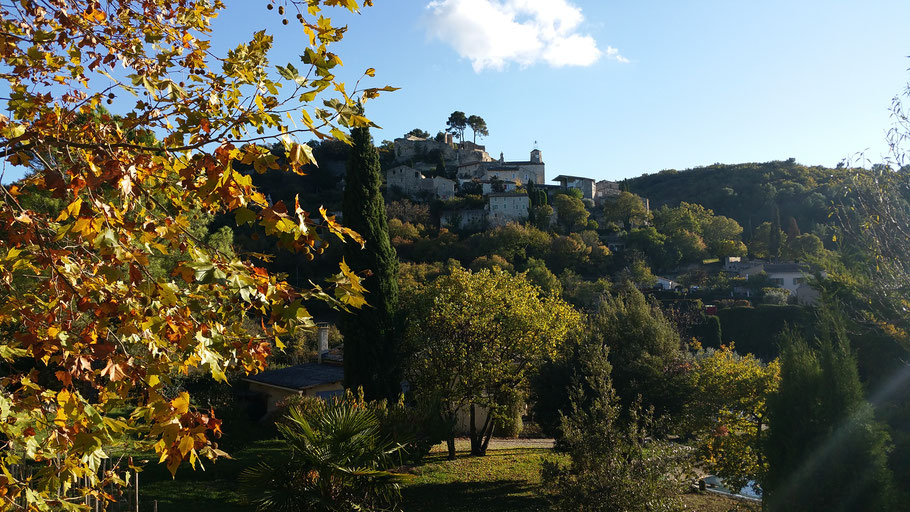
<point x="477" y="336"/>
<point x="478" y="126"/>
<point x="456" y="124"/>
<point x="86" y="326"/>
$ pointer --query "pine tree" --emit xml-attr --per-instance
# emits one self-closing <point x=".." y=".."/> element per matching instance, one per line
<point x="371" y="348"/>
<point x="825" y="449"/>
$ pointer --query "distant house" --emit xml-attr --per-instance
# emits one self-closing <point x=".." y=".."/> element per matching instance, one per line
<point x="475" y="219"/>
<point x="503" y="208"/>
<point x="489" y="187"/>
<point x="604" y="189"/>
<point x="666" y="284"/>
<point x="616" y="243"/>
<point x="413" y="183"/>
<point x="586" y="185"/>
<point x="520" y="172"/>
<point x="783" y="275"/>
<point x="309" y="379"/>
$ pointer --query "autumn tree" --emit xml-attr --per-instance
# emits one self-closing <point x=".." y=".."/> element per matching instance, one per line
<point x="86" y="327"/>
<point x="371" y="355"/>
<point x="476" y="338"/>
<point x="478" y="126"/>
<point x="728" y="413"/>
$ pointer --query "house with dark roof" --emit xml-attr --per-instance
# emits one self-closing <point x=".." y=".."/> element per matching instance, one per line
<point x="322" y="380"/>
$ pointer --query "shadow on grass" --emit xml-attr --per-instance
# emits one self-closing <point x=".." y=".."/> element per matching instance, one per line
<point x="500" y="495"/>
<point x="215" y="488"/>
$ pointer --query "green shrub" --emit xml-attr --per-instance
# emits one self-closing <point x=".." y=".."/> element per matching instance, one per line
<point x="338" y="462"/>
<point x="612" y="465"/>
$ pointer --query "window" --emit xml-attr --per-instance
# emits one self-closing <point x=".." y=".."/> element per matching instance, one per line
<point x="799" y="280"/>
<point x="778" y="281"/>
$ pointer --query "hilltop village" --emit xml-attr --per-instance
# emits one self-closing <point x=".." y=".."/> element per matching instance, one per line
<point x="438" y="169"/>
<point x="504" y="184"/>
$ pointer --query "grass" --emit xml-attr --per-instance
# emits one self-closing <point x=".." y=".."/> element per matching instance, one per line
<point x="212" y="489"/>
<point x="505" y="479"/>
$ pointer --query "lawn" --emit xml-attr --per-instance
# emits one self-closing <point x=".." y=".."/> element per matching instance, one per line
<point x="504" y="480"/>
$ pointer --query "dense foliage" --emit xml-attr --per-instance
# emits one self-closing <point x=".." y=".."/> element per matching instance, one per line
<point x="825" y="450"/>
<point x="476" y="336"/>
<point x="337" y="463"/>
<point x="612" y="467"/>
<point x="372" y="357"/>
<point x="108" y="293"/>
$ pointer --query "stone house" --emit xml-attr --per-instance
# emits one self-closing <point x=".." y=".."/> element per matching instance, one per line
<point x="520" y="172"/>
<point x="604" y="189"/>
<point x="413" y="183"/>
<point x="506" y="207"/>
<point x="586" y="185"/>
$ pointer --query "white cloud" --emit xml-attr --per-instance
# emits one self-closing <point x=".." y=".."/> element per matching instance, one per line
<point x="494" y="33"/>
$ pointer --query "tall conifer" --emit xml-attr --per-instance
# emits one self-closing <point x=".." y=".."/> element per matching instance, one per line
<point x="825" y="450"/>
<point x="371" y="348"/>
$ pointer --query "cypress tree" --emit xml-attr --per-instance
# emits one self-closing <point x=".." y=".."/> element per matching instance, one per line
<point x="825" y="450"/>
<point x="774" y="242"/>
<point x="371" y="348"/>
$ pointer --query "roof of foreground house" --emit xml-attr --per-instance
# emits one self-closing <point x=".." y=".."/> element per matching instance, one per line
<point x="301" y="376"/>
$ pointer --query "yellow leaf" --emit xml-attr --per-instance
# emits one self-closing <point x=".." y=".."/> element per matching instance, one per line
<point x="186" y="444"/>
<point x="370" y="72"/>
<point x="182" y="403"/>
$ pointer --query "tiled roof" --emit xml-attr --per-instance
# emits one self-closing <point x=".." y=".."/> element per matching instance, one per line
<point x="301" y="376"/>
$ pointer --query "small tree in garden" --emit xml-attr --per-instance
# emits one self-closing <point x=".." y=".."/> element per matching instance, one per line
<point x="476" y="338"/>
<point x="612" y="468"/>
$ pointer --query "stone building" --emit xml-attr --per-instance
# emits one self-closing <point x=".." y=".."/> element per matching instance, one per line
<point x="586" y="185"/>
<point x="413" y="183"/>
<point x="506" y="207"/>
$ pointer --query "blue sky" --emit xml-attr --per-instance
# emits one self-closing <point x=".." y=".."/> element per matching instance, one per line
<point x="705" y="82"/>
<point x="617" y="89"/>
<point x="687" y="83"/>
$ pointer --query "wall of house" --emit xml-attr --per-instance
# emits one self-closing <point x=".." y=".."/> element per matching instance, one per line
<point x="504" y="209"/>
<point x="463" y="419"/>
<point x="276" y="395"/>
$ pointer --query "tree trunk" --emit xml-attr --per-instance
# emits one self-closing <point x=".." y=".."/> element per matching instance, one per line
<point x="450" y="442"/>
<point x="476" y="437"/>
<point x="486" y="441"/>
<point x="480" y="440"/>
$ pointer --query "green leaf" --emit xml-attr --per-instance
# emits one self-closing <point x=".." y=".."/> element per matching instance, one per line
<point x="244" y="216"/>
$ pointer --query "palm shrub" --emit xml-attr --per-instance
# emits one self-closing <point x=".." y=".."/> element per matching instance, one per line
<point x="338" y="462"/>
